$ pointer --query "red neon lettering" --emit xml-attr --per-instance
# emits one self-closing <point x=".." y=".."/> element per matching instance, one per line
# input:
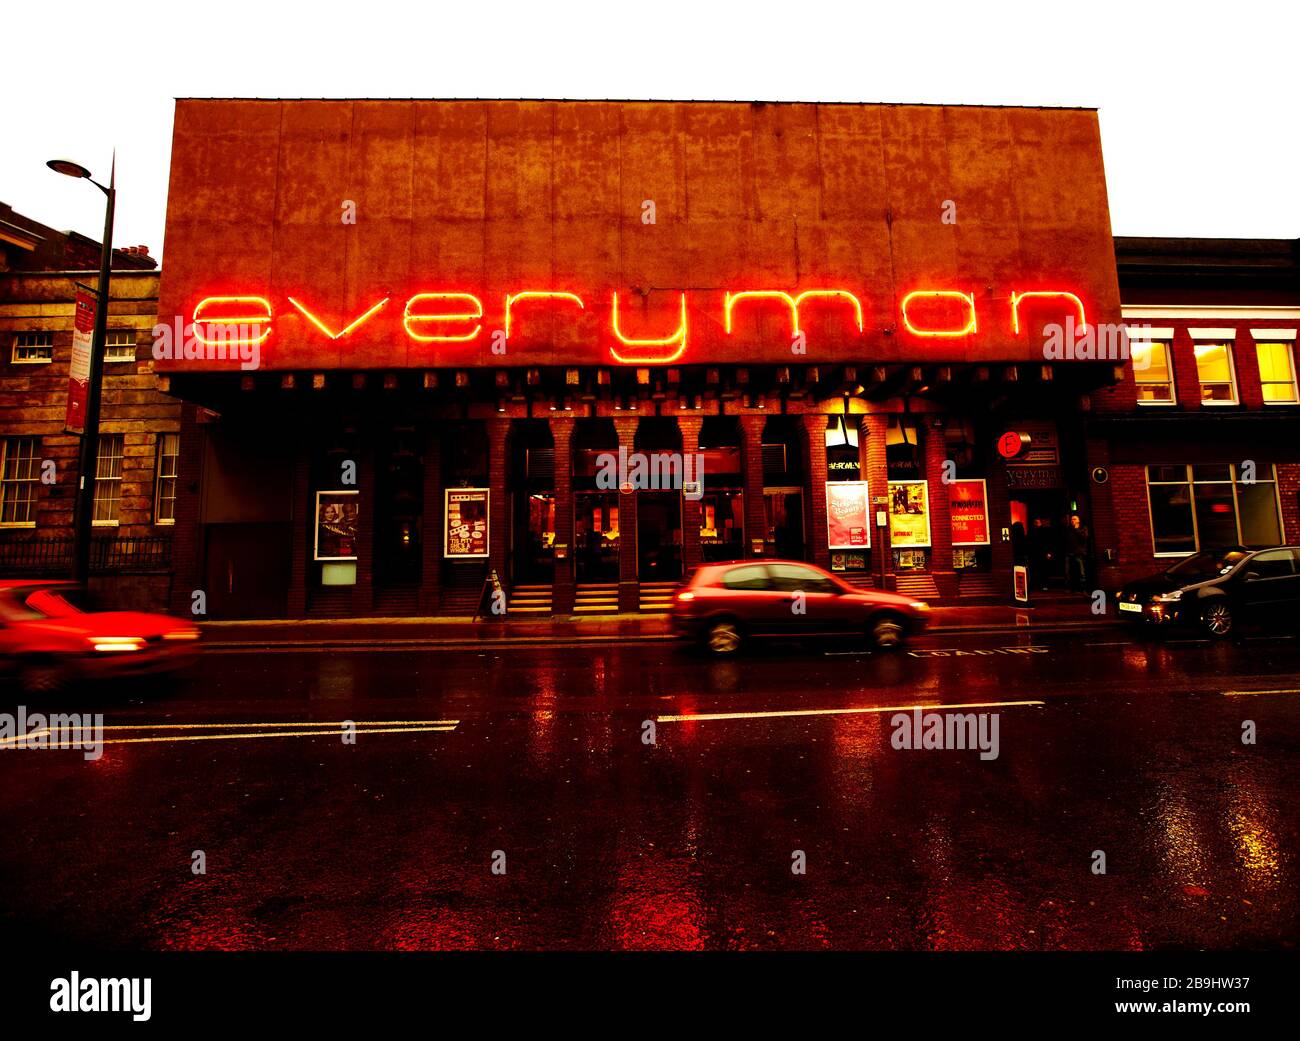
<point x="678" y="338"/>
<point x="939" y="294"/>
<point x="530" y="294"/>
<point x="254" y="320"/>
<point x="792" y="302"/>
<point x="346" y="329"/>
<point x="1016" y="298"/>
<point x="472" y="313"/>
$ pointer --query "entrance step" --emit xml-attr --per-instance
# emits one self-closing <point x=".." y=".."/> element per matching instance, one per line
<point x="529" y="599"/>
<point x="657" y="597"/>
<point x="858" y="579"/>
<point x="922" y="586"/>
<point x="597" y="598"/>
<point x="982" y="585"/>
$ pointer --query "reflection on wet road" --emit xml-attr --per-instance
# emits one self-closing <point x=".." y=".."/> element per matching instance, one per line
<point x="621" y="822"/>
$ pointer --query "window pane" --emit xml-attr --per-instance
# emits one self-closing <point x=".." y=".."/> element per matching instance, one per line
<point x="1161" y="472"/>
<point x="752" y="577"/>
<point x="1211" y="472"/>
<point x="1260" y="525"/>
<point x="1171" y="518"/>
<point x="1216" y="521"/>
<point x="1150" y="362"/>
<point x="1212" y="364"/>
<point x="1277" y="564"/>
<point x="1274" y="361"/>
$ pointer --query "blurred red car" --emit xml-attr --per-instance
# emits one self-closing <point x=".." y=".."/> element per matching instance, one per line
<point x="48" y="641"/>
<point x="722" y="605"/>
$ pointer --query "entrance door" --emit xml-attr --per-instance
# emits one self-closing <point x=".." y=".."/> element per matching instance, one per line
<point x="1042" y="516"/>
<point x="595" y="537"/>
<point x="784" y="508"/>
<point x="659" y="536"/>
<point x="534" y="538"/>
<point x="247" y="573"/>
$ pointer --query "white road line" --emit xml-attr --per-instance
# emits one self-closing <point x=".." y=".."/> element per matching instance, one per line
<point x="704" y="717"/>
<point x="1121" y="643"/>
<point x="1243" y="693"/>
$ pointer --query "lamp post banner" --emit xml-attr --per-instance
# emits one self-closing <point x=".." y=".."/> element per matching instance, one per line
<point x="74" y="421"/>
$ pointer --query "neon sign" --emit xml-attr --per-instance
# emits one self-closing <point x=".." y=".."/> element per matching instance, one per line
<point x="458" y="317"/>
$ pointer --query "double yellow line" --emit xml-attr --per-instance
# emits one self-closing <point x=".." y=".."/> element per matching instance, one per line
<point x="246" y="731"/>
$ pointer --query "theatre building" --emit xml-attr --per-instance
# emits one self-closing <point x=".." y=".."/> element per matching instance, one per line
<point x="581" y="347"/>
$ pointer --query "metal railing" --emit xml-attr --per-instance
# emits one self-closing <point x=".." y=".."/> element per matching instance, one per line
<point x="51" y="556"/>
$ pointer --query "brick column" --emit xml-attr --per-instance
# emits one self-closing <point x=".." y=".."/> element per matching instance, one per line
<point x="1102" y="519"/>
<point x="498" y="431"/>
<point x="941" y="569"/>
<point x="187" y="533"/>
<point x="300" y="543"/>
<point x="875" y="471"/>
<point x="814" y="445"/>
<point x="751" y="461"/>
<point x="562" y="589"/>
<point x="431" y="521"/>
<point x="629" y="586"/>
<point x="691" y="555"/>
<point x="363" y="593"/>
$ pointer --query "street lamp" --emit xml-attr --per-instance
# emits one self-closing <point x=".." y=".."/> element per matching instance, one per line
<point x="85" y="501"/>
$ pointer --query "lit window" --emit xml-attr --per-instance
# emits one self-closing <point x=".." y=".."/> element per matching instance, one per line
<point x="119" y="345"/>
<point x="33" y="348"/>
<point x="169" y="448"/>
<point x="1214" y="369"/>
<point x="18" y="476"/>
<point x="1153" y="373"/>
<point x="1276" y="373"/>
<point x="1208" y="506"/>
<point x="108" y="478"/>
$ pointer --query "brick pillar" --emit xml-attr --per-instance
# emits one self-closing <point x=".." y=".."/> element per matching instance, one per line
<point x="629" y="586"/>
<point x="1102" y="519"/>
<point x="941" y="569"/>
<point x="751" y="461"/>
<point x="431" y="525"/>
<point x="498" y="431"/>
<point x="814" y="446"/>
<point x="300" y="542"/>
<point x="875" y="471"/>
<point x="363" y="593"/>
<point x="691" y="554"/>
<point x="562" y="589"/>
<point x="187" y="533"/>
<point x="999" y="507"/>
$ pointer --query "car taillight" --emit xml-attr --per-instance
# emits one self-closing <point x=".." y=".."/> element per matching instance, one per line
<point x="116" y="644"/>
<point x="182" y="634"/>
<point x="685" y="595"/>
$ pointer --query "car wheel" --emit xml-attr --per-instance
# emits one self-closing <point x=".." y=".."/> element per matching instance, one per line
<point x="723" y="638"/>
<point x="41" y="677"/>
<point x="1216" y="619"/>
<point x="886" y="632"/>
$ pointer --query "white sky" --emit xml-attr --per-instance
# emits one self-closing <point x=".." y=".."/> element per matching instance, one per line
<point x="1199" y="102"/>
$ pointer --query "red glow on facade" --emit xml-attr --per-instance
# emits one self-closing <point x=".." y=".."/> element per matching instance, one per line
<point x="346" y="329"/>
<point x="532" y="294"/>
<point x="473" y="313"/>
<point x="1055" y="294"/>
<point x="677" y="340"/>
<point x="968" y="299"/>
<point x="792" y="302"/>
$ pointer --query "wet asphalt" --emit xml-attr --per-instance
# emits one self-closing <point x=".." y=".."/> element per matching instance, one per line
<point x="551" y="797"/>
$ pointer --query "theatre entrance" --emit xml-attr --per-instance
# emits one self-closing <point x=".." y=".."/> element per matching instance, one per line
<point x="595" y="522"/>
<point x="659" y="536"/>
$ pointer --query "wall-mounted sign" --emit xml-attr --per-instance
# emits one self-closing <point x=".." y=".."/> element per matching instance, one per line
<point x="847" y="516"/>
<point x="909" y="514"/>
<point x="968" y="506"/>
<point x="467" y="523"/>
<point x="337" y="514"/>
<point x="1033" y="477"/>
<point x="83" y="330"/>
<point x="1011" y="443"/>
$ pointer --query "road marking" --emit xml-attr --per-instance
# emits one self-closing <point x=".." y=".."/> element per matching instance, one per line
<point x="243" y="731"/>
<point x="1121" y="643"/>
<point x="705" y="717"/>
<point x="1242" y="693"/>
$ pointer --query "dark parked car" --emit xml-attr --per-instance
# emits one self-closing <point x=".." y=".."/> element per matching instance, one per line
<point x="722" y="605"/>
<point x="1219" y="590"/>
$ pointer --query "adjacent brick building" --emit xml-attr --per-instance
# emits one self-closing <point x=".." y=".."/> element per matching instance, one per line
<point x="40" y="268"/>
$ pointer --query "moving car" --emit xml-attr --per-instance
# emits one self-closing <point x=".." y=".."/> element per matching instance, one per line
<point x="723" y="605"/>
<point x="1218" y="590"/>
<point x="48" y="642"/>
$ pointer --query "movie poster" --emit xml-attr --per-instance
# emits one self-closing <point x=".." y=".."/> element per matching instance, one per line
<point x="848" y="523"/>
<point x="909" y="514"/>
<point x="467" y="523"/>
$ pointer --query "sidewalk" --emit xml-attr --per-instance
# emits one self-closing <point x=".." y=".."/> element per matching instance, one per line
<point x="341" y="633"/>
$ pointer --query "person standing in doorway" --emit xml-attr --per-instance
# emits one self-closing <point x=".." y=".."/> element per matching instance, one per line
<point x="1076" y="554"/>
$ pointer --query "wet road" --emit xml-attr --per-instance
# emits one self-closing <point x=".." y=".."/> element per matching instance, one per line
<point x="535" y="760"/>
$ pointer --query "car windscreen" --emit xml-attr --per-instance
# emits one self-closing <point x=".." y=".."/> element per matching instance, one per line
<point x="1200" y="566"/>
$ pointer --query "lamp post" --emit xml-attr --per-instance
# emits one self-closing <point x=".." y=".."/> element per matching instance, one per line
<point x="83" y="512"/>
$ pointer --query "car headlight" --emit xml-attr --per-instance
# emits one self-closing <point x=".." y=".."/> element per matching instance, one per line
<point x="1168" y="598"/>
<point x="919" y="605"/>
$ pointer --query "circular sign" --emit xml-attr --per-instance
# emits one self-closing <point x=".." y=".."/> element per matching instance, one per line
<point x="1010" y="444"/>
<point x="1100" y="474"/>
